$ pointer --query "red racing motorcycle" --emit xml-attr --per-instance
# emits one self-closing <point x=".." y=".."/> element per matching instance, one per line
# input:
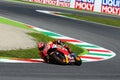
<point x="57" y="54"/>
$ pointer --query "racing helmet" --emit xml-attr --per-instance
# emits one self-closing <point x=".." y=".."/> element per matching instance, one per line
<point x="59" y="42"/>
<point x="41" y="45"/>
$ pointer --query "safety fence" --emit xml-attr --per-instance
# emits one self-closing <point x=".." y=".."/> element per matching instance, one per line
<point x="103" y="6"/>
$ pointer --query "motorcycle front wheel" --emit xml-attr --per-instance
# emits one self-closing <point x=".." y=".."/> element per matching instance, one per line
<point x="78" y="61"/>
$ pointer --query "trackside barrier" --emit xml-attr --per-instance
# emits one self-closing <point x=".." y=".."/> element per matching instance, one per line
<point x="103" y="6"/>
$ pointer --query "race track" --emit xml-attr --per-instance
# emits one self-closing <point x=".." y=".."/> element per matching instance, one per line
<point x="102" y="35"/>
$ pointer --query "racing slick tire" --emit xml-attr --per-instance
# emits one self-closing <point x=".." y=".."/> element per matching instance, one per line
<point x="78" y="61"/>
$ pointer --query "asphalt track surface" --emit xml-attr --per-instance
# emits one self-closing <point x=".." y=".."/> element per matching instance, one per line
<point x="102" y="35"/>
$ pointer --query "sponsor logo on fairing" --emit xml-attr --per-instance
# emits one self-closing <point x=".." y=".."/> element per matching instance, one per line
<point x="111" y="6"/>
<point x="64" y="3"/>
<point x="52" y="2"/>
<point x="85" y="4"/>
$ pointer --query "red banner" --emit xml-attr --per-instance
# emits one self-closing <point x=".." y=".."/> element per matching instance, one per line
<point x="38" y="1"/>
<point x="51" y="2"/>
<point x="110" y="10"/>
<point x="64" y="3"/>
<point x="84" y="4"/>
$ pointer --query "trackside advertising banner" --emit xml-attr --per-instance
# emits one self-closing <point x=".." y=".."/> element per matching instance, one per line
<point x="104" y="6"/>
<point x="85" y="4"/>
<point x="38" y="1"/>
<point x="64" y="3"/>
<point x="111" y="6"/>
<point x="51" y="2"/>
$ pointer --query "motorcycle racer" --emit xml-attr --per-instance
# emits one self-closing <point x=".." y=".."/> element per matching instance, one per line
<point x="43" y="45"/>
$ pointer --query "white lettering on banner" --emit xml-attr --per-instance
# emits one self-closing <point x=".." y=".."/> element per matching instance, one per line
<point x="64" y="3"/>
<point x="111" y="10"/>
<point x="52" y="2"/>
<point x="111" y="6"/>
<point x="115" y="3"/>
<point x="85" y="6"/>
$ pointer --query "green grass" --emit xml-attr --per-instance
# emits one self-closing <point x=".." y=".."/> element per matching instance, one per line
<point x="21" y="53"/>
<point x="34" y="52"/>
<point x="108" y="21"/>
